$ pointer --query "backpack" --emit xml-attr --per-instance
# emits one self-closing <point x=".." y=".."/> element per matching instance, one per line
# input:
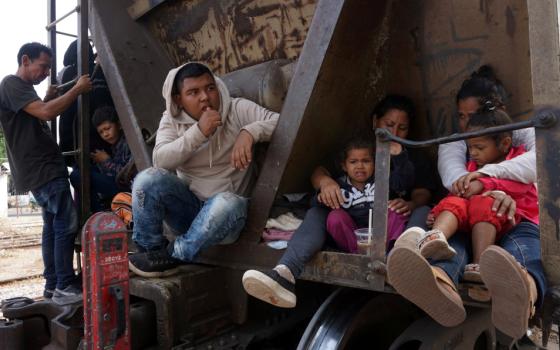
<point x="121" y="205"/>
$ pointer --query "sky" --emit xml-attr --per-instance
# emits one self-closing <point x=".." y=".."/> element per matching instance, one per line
<point x="23" y="21"/>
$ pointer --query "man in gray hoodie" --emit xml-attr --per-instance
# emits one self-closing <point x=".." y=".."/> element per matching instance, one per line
<point x="206" y="138"/>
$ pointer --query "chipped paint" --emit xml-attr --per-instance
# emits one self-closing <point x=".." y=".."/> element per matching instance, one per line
<point x="229" y="35"/>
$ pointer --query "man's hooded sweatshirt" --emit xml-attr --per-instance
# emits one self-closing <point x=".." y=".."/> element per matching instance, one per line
<point x="204" y="163"/>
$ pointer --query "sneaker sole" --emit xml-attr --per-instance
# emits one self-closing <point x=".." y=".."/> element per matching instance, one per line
<point x="412" y="277"/>
<point x="153" y="274"/>
<point x="268" y="290"/>
<point x="508" y="287"/>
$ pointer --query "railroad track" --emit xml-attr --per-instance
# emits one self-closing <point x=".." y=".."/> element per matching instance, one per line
<point x="19" y="279"/>
<point x="20" y="240"/>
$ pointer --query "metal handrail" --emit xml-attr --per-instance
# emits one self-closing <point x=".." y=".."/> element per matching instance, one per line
<point x="71" y="83"/>
<point x="51" y="25"/>
<point x="66" y="34"/>
<point x="543" y="119"/>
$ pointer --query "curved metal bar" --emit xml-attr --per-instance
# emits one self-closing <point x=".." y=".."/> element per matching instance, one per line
<point x="52" y="25"/>
<point x="544" y="119"/>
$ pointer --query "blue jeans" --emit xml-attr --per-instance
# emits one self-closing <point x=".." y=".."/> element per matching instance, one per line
<point x="60" y="225"/>
<point x="158" y="196"/>
<point x="522" y="242"/>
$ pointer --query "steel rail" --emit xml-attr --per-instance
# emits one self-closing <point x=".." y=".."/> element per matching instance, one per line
<point x="51" y="25"/>
<point x="544" y="119"/>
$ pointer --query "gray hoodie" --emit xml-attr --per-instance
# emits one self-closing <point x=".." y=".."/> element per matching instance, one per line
<point x="204" y="163"/>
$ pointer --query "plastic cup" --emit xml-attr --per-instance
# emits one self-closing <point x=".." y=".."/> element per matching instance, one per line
<point x="362" y="236"/>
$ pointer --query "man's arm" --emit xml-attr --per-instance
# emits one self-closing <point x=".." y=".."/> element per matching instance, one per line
<point x="51" y="109"/>
<point x="329" y="190"/>
<point x="171" y="149"/>
<point x="451" y="162"/>
<point x="257" y="120"/>
<point x="256" y="125"/>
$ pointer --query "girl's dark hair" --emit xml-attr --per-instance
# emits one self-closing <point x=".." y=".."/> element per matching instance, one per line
<point x="485" y="86"/>
<point x="402" y="103"/>
<point x="360" y="141"/>
<point x="191" y="70"/>
<point x="487" y="117"/>
<point x="104" y="114"/>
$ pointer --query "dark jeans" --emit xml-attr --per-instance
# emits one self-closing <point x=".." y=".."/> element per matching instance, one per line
<point x="307" y="240"/>
<point x="522" y="241"/>
<point x="418" y="217"/>
<point x="101" y="186"/>
<point x="60" y="224"/>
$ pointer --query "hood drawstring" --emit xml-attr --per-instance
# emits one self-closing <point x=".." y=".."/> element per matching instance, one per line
<point x="210" y="153"/>
<point x="210" y="147"/>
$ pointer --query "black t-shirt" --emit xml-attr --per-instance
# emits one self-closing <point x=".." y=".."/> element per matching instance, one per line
<point x="34" y="156"/>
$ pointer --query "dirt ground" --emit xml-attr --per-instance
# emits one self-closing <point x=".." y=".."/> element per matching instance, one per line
<point x="21" y="262"/>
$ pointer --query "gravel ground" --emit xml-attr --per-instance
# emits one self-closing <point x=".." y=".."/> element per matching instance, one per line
<point x="21" y="262"/>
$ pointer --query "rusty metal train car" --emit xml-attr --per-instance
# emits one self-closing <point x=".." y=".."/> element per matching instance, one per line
<point x="323" y="64"/>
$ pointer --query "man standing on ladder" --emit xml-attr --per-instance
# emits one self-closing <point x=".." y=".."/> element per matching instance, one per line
<point x="37" y="164"/>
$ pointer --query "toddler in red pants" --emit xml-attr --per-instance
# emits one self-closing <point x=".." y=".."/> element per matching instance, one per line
<point x="472" y="211"/>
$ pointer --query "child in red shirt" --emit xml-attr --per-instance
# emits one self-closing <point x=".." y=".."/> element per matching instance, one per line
<point x="472" y="211"/>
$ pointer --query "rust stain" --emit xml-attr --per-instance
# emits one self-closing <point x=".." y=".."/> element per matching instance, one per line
<point x="510" y="22"/>
<point x="229" y="35"/>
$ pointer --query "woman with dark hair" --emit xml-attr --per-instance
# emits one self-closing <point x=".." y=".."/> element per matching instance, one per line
<point x="483" y="88"/>
<point x="277" y="286"/>
<point x="511" y="269"/>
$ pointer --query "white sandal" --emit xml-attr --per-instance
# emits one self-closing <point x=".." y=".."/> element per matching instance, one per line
<point x="472" y="273"/>
<point x="434" y="245"/>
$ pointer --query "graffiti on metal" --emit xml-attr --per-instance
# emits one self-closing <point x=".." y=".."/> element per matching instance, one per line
<point x="229" y="35"/>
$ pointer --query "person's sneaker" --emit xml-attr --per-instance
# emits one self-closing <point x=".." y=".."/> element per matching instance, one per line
<point x="48" y="293"/>
<point x="68" y="295"/>
<point x="270" y="287"/>
<point x="156" y="263"/>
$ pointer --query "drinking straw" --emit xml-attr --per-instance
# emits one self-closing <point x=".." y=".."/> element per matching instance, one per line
<point x="369" y="226"/>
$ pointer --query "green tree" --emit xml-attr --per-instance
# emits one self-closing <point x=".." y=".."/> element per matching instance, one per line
<point x="3" y="155"/>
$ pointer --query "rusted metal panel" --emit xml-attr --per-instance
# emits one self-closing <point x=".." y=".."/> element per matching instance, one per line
<point x="545" y="82"/>
<point x="326" y="100"/>
<point x="135" y="67"/>
<point x="548" y="159"/>
<point x="141" y="7"/>
<point x="435" y="45"/>
<point x="341" y="269"/>
<point x="193" y="303"/>
<point x="228" y="35"/>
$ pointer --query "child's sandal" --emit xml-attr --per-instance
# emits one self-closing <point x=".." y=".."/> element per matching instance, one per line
<point x="434" y="245"/>
<point x="472" y="273"/>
